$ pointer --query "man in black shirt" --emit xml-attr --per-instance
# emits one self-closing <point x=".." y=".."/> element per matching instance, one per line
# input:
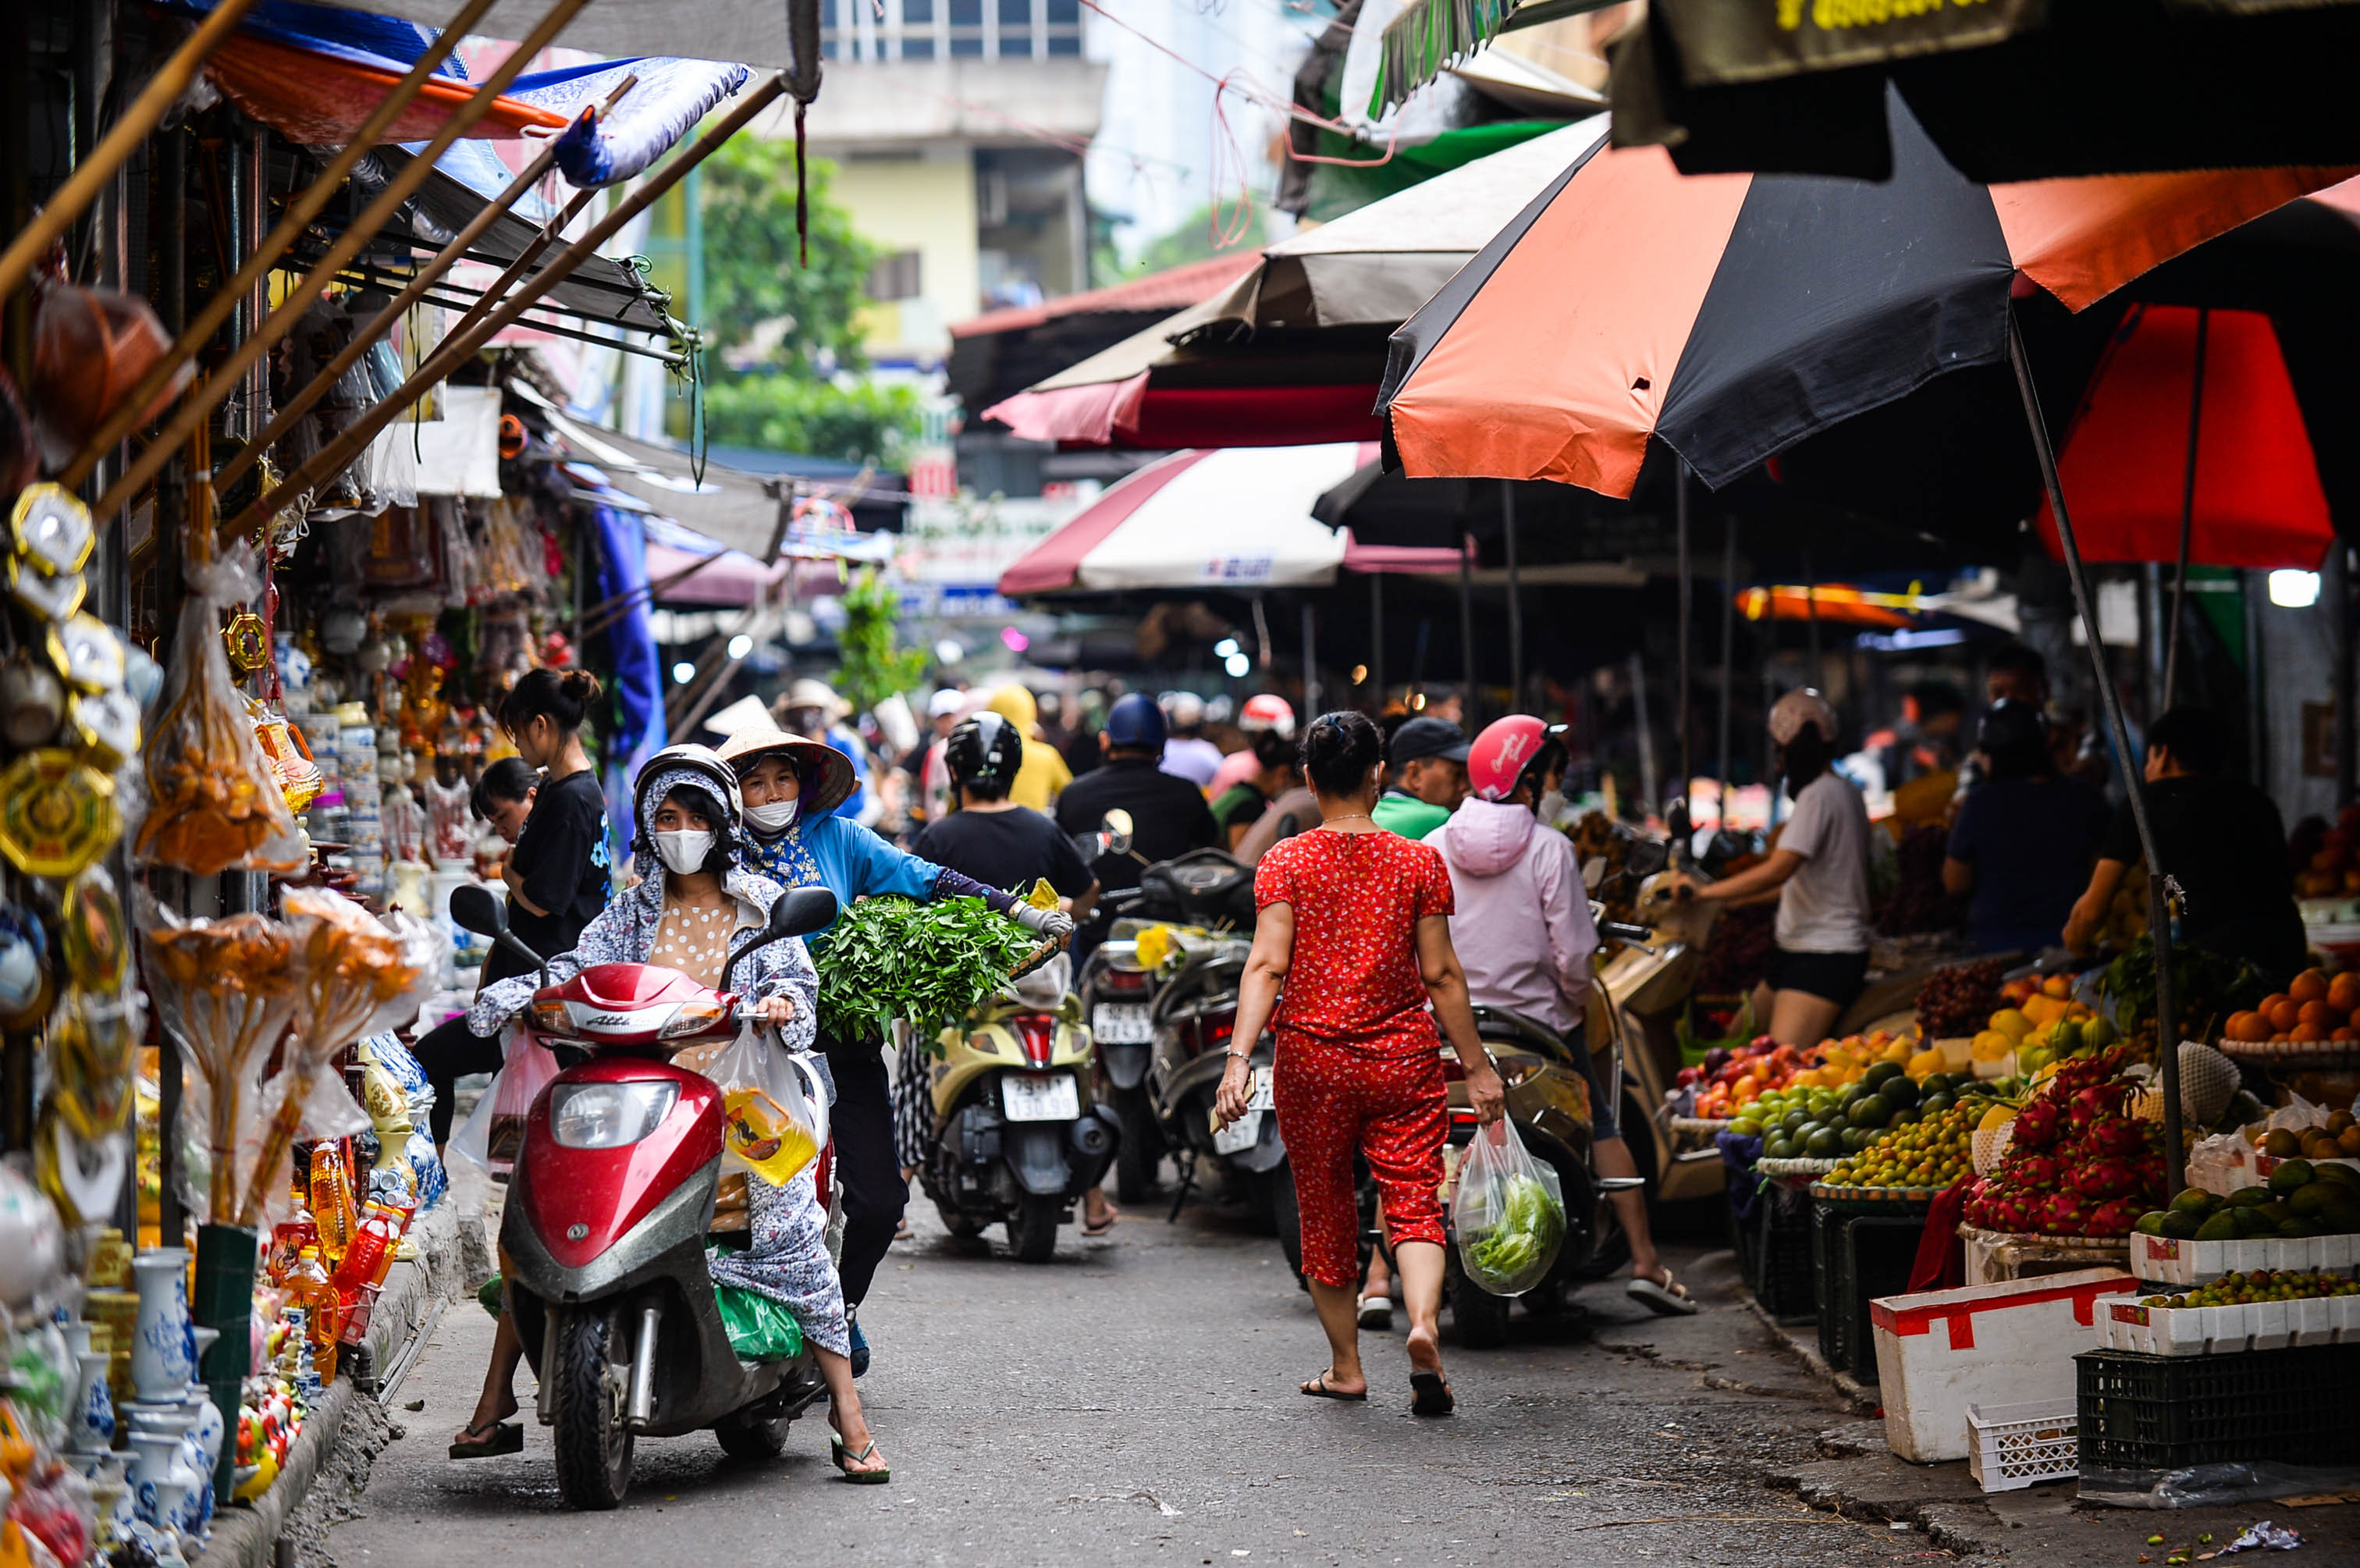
<point x="2221" y="839"/>
<point x="1168" y="813"/>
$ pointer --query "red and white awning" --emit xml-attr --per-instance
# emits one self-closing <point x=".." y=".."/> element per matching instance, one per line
<point x="1233" y="518"/>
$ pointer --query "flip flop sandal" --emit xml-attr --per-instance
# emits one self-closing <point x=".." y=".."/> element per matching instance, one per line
<point x="1376" y="1313"/>
<point x="1430" y="1395"/>
<point x="505" y="1437"/>
<point x="1101" y="1227"/>
<point x="846" y="1458"/>
<point x="1669" y="1300"/>
<point x="1317" y="1390"/>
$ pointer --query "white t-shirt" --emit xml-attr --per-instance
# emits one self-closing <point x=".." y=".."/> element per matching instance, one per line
<point x="1823" y="908"/>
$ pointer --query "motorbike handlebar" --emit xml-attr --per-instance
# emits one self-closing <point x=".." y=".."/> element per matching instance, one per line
<point x="1624" y="931"/>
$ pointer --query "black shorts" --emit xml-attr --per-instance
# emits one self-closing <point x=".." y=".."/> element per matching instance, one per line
<point x="1604" y="1121"/>
<point x="1834" y="977"/>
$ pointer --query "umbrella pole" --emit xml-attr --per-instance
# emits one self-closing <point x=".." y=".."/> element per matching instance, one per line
<point x="1680" y="703"/>
<point x="1470" y="705"/>
<point x="1728" y="653"/>
<point x="2167" y="1032"/>
<point x="2187" y="512"/>
<point x="1377" y="638"/>
<point x="1516" y="599"/>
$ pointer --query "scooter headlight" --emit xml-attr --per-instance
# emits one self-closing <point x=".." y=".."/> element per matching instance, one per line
<point x="693" y="1018"/>
<point x="608" y="1115"/>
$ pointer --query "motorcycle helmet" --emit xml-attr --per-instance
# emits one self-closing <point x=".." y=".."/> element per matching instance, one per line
<point x="1510" y="751"/>
<point x="1268" y="712"/>
<point x="987" y="750"/>
<point x="1135" y="723"/>
<point x="687" y="763"/>
<point x="1799" y="708"/>
<point x="1185" y="709"/>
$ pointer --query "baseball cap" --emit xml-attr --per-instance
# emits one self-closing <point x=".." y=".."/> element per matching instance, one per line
<point x="1422" y="738"/>
<point x="945" y="702"/>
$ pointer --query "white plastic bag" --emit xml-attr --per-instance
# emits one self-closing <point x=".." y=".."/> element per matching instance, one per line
<point x="495" y="1132"/>
<point x="774" y="1113"/>
<point x="1509" y="1213"/>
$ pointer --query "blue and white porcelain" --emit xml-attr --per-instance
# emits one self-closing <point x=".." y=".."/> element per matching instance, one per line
<point x="163" y="1349"/>
<point x="92" y="1426"/>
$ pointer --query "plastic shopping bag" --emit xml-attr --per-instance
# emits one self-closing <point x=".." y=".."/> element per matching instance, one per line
<point x="1509" y="1213"/>
<point x="494" y="1134"/>
<point x="774" y="1115"/>
<point x="759" y="1328"/>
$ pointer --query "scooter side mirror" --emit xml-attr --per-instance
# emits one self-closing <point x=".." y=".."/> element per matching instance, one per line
<point x="1119" y="831"/>
<point x="1593" y="872"/>
<point x="799" y="913"/>
<point x="474" y="908"/>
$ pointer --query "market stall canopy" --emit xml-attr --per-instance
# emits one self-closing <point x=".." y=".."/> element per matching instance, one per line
<point x="1733" y="317"/>
<point x="1430" y="37"/>
<point x="2007" y="88"/>
<point x="1293" y="344"/>
<point x="686" y="568"/>
<point x="740" y="511"/>
<point x="1233" y="518"/>
<point x="754" y="32"/>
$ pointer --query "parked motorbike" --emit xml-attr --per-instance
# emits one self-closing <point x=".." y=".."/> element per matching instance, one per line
<point x="1195" y="1017"/>
<point x="604" y="1230"/>
<point x="1019" y="1134"/>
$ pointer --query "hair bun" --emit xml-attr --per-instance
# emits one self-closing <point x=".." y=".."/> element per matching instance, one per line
<point x="580" y="686"/>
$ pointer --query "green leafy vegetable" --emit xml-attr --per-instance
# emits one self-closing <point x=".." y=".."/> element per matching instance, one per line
<point x="1512" y="1255"/>
<point x="931" y="963"/>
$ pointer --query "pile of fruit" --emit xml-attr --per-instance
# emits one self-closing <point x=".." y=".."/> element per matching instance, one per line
<point x="2040" y="1024"/>
<point x="1732" y="1078"/>
<point x="1804" y="1123"/>
<point x="2261" y="1285"/>
<point x="2077" y="1164"/>
<point x="1954" y="1001"/>
<point x="1933" y="1151"/>
<point x="2314" y="1007"/>
<point x="2339" y="1139"/>
<point x="2301" y="1200"/>
<point x="2327" y="863"/>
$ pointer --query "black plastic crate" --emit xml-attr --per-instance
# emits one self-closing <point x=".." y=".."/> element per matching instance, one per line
<point x="1857" y="1257"/>
<point x="2166" y="1412"/>
<point x="1785" y="1278"/>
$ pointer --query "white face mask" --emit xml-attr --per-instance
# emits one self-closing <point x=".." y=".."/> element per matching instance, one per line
<point x="775" y="817"/>
<point x="1552" y="807"/>
<point x="684" y="852"/>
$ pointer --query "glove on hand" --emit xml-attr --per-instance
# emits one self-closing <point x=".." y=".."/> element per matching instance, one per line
<point x="1049" y="922"/>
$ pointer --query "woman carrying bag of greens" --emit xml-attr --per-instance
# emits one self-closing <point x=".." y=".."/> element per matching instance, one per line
<point x="792" y="787"/>
<point x="1355" y="925"/>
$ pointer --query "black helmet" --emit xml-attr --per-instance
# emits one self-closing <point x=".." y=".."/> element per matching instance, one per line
<point x="986" y="750"/>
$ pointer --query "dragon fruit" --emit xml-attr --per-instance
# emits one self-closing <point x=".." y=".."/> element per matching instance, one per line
<point x="2036" y="1126"/>
<point x="2119" y="1136"/>
<point x="2104" y="1178"/>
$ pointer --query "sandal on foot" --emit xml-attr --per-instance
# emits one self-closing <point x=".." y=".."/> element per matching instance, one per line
<point x="846" y="1458"/>
<point x="1429" y="1395"/>
<point x="1318" y="1388"/>
<point x="1095" y="1228"/>
<point x="1376" y="1313"/>
<point x="489" y="1439"/>
<point x="1666" y="1298"/>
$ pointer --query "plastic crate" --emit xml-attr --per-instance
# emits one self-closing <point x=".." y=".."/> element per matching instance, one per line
<point x="2013" y="1446"/>
<point x="1745" y="1239"/>
<point x="2167" y="1412"/>
<point x="1785" y="1276"/>
<point x="1855" y="1259"/>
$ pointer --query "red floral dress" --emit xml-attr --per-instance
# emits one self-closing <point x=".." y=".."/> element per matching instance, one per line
<point x="1358" y="1069"/>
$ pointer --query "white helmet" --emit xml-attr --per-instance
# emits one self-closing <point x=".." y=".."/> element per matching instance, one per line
<point x="1184" y="709"/>
<point x="665" y="771"/>
<point x="1799" y="708"/>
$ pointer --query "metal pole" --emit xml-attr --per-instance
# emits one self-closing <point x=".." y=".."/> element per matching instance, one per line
<point x="1470" y="703"/>
<point x="2167" y="1021"/>
<point x="451" y="355"/>
<point x="2258" y="749"/>
<point x="2187" y="512"/>
<point x="1728" y="652"/>
<point x="1516" y="599"/>
<point x="301" y="208"/>
<point x="1680" y="701"/>
<point x="1311" y="693"/>
<point x="1377" y="638"/>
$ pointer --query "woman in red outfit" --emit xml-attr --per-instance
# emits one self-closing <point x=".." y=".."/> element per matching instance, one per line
<point x="1355" y="924"/>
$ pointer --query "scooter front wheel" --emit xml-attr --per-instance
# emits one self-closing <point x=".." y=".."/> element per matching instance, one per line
<point x="589" y="1381"/>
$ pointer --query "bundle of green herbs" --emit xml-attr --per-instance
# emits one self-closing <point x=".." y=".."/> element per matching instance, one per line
<point x="929" y="963"/>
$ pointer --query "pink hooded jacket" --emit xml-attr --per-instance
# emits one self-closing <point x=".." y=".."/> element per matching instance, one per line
<point x="1522" y="928"/>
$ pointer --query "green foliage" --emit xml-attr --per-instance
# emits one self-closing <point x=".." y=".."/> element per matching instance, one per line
<point x="873" y="668"/>
<point x="931" y="963"/>
<point x="751" y="275"/>
<point x="781" y="411"/>
<point x="2208" y="986"/>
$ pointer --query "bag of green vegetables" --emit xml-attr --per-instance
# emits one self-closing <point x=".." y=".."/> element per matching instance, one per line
<point x="1509" y="1213"/>
<point x="929" y="963"/>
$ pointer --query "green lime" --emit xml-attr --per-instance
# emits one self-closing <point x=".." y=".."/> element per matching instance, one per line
<point x="1825" y="1144"/>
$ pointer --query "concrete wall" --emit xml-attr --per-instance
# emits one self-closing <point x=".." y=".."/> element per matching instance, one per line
<point x="925" y="202"/>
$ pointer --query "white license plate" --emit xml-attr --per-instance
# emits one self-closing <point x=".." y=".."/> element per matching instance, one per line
<point x="1262" y="1098"/>
<point x="1238" y="1136"/>
<point x="1121" y="1024"/>
<point x="1040" y="1097"/>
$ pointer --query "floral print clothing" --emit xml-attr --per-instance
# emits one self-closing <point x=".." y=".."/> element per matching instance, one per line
<point x="788" y="1260"/>
<point x="1353" y="980"/>
<point x="1334" y="1102"/>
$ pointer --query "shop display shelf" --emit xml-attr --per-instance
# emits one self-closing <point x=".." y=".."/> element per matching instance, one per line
<point x="2164" y="1412"/>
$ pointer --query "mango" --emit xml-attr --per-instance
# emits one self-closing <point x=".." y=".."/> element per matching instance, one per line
<point x="2010" y="1022"/>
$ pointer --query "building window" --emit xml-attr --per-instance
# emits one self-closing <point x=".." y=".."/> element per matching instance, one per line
<point x="896" y="277"/>
<point x="964" y="29"/>
<point x="1063" y="24"/>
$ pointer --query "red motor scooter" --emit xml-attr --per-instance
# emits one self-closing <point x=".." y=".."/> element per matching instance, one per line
<point x="608" y="1205"/>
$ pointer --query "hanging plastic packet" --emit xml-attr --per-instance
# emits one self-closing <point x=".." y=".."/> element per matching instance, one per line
<point x="1509" y="1213"/>
<point x="774" y="1113"/>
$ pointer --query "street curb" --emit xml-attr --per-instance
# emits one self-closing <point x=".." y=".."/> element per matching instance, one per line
<point x="1804" y="1346"/>
<point x="245" y="1535"/>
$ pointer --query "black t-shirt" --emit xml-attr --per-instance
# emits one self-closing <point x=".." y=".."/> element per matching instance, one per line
<point x="2225" y="843"/>
<point x="567" y="866"/>
<point x="1168" y="816"/>
<point x="1007" y="849"/>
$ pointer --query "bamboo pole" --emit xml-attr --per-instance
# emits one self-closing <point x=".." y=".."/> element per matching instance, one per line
<point x="199" y="404"/>
<point x="384" y="321"/>
<point x="332" y="458"/>
<point x="301" y="209"/>
<point x="93" y="174"/>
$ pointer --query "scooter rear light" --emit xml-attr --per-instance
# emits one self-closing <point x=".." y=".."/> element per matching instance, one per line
<point x="1453" y="1070"/>
<point x="1123" y="980"/>
<point x="608" y="1115"/>
<point x="1036" y="1034"/>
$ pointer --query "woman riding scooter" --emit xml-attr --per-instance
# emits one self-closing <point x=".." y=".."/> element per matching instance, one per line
<point x="792" y="787"/>
<point x="703" y="905"/>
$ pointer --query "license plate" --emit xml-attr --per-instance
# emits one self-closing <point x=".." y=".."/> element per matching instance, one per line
<point x="1121" y="1024"/>
<point x="1238" y="1136"/>
<point x="1262" y="1099"/>
<point x="1040" y="1097"/>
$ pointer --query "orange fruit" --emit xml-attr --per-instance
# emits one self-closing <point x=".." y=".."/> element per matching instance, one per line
<point x="2346" y="1036"/>
<point x="2316" y="1018"/>
<point x="2280" y="1038"/>
<point x="2349" y="1140"/>
<point x="2283" y="1014"/>
<point x="2344" y="991"/>
<point x="2246" y="1027"/>
<point x="2311" y="985"/>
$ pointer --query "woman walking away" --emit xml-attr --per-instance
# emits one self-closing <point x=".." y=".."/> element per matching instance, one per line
<point x="1355" y="924"/>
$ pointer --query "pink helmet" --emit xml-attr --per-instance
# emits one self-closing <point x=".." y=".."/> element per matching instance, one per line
<point x="1268" y="712"/>
<point x="1506" y="750"/>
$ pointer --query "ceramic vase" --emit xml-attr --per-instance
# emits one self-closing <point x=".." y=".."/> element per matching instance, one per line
<point x="156" y="1459"/>
<point x="91" y="1428"/>
<point x="111" y="1493"/>
<point x="163" y="1350"/>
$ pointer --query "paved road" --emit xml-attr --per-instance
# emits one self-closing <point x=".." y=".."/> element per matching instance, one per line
<point x="1133" y="1401"/>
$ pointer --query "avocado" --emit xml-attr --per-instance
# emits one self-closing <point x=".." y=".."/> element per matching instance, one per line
<point x="2151" y="1223"/>
<point x="1935" y="1082"/>
<point x="2310" y="1200"/>
<point x="2219" y="1228"/>
<point x="1855" y="1139"/>
<point x="1794" y="1121"/>
<point x="1934" y="1103"/>
<point x="2187" y="1226"/>
<point x="2341" y="1175"/>
<point x="1852" y="1093"/>
<point x="1904" y="1117"/>
<point x="2196" y="1201"/>
<point x="2295" y="1229"/>
<point x="2340" y="1218"/>
<point x="1825" y="1144"/>
<point x="1899" y="1090"/>
<point x="2251" y="1222"/>
<point x="1778" y="1146"/>
<point x="2246" y="1197"/>
<point x="2277" y="1213"/>
<point x="1870" y="1111"/>
<point x="2290" y="1175"/>
<point x="1884" y="1072"/>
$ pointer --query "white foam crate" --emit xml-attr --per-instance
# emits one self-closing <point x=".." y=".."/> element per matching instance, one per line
<point x="2171" y="1260"/>
<point x="2225" y="1331"/>
<point x="2013" y="1446"/>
